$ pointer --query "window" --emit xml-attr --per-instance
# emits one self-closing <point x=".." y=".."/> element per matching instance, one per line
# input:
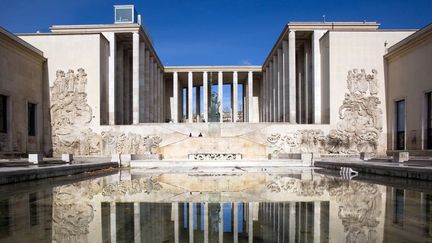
<point x="429" y="121"/>
<point x="399" y="206"/>
<point x="3" y="114"/>
<point x="33" y="209"/>
<point x="400" y="125"/>
<point x="31" y="116"/>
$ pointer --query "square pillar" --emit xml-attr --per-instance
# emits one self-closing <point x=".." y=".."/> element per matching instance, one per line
<point x="137" y="222"/>
<point x="142" y="81"/>
<point x="135" y="77"/>
<point x="292" y="77"/>
<point x="111" y="78"/>
<point x="317" y="87"/>
<point x="285" y="78"/>
<point x="220" y="95"/>
<point x="274" y="89"/>
<point x="279" y="88"/>
<point x="175" y="105"/>
<point x="198" y="103"/>
<point x="250" y="96"/>
<point x="190" y="97"/>
<point x="271" y="103"/>
<point x="147" y="85"/>
<point x="205" y="94"/>
<point x="235" y="96"/>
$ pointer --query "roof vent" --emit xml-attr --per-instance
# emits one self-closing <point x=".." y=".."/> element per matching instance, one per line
<point x="125" y="14"/>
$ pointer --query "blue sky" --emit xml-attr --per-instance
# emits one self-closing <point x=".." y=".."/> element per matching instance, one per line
<point x="214" y="32"/>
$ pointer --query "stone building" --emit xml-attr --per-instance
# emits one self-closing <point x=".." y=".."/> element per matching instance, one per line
<point x="409" y="93"/>
<point x="23" y="89"/>
<point x="320" y="90"/>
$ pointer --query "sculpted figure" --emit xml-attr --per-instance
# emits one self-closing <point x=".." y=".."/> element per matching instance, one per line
<point x="373" y="82"/>
<point x="362" y="82"/>
<point x="70" y="81"/>
<point x="81" y="81"/>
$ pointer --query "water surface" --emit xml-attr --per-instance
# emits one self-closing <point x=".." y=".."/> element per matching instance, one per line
<point x="226" y="205"/>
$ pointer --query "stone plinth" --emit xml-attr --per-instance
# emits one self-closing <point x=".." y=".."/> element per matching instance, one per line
<point x="35" y="158"/>
<point x="146" y="157"/>
<point x="67" y="158"/>
<point x="400" y="157"/>
<point x="215" y="156"/>
<point x="366" y="156"/>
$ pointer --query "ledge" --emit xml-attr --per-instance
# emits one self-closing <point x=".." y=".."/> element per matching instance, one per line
<point x="382" y="168"/>
<point x="20" y="174"/>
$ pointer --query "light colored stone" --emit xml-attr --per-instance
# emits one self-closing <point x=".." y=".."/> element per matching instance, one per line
<point x="67" y="158"/>
<point x="306" y="158"/>
<point x="35" y="158"/>
<point x="366" y="156"/>
<point x="400" y="157"/>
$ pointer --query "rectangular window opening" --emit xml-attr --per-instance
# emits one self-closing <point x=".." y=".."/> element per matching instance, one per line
<point x="400" y="125"/>
<point x="31" y="116"/>
<point x="3" y="113"/>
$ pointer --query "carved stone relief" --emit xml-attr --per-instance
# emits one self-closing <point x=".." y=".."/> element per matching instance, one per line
<point x="135" y="186"/>
<point x="357" y="131"/>
<point x="71" y="117"/>
<point x="73" y="211"/>
<point x="358" y="203"/>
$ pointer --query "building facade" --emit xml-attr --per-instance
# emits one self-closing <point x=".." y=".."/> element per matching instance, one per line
<point x="320" y="90"/>
<point x="409" y="86"/>
<point x="23" y="86"/>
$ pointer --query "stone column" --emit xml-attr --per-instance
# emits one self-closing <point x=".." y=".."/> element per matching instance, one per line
<point x="292" y="221"/>
<point x="155" y="94"/>
<point x="267" y="94"/>
<point x="198" y="103"/>
<point x="235" y="96"/>
<point x="307" y="82"/>
<point x="191" y="223"/>
<point x="113" y="225"/>
<point x="221" y="223"/>
<point x="142" y="81"/>
<point x="235" y="219"/>
<point x="220" y="95"/>
<point x="280" y="86"/>
<point x="317" y="222"/>
<point x="162" y="97"/>
<point x="250" y="221"/>
<point x="111" y="78"/>
<point x="205" y="94"/>
<point x="285" y="78"/>
<point x="206" y="223"/>
<point x="137" y="222"/>
<point x="263" y="96"/>
<point x="147" y="85"/>
<point x="135" y="77"/>
<point x="175" y="218"/>
<point x="316" y="64"/>
<point x="250" y="96"/>
<point x="151" y="90"/>
<point x="190" y="97"/>
<point x="274" y="89"/>
<point x="271" y="104"/>
<point x="175" y="105"/>
<point x="292" y="76"/>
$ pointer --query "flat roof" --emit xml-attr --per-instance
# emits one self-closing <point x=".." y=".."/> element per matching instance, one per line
<point x="411" y="39"/>
<point x="21" y="42"/>
<point x="238" y="68"/>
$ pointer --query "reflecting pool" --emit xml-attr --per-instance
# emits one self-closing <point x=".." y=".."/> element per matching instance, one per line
<point x="235" y="205"/>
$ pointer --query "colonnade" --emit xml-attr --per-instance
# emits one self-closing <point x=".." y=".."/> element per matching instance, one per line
<point x="277" y="221"/>
<point x="206" y="85"/>
<point x="135" y="80"/>
<point x="292" y="79"/>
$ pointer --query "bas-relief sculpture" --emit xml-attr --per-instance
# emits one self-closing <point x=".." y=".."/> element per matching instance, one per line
<point x="357" y="131"/>
<point x="71" y="117"/>
<point x="358" y="202"/>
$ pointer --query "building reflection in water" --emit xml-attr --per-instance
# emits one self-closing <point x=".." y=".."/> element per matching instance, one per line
<point x="269" y="209"/>
<point x="26" y="217"/>
<point x="215" y="222"/>
<point x="409" y="216"/>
